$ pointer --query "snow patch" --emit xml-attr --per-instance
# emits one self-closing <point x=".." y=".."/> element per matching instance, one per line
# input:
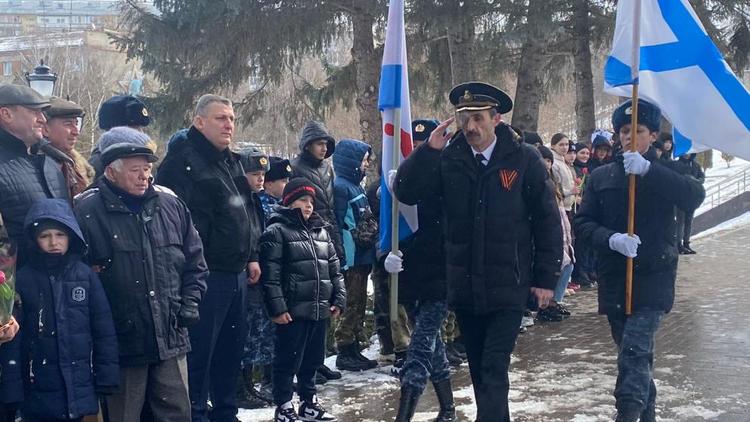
<point x="732" y="224"/>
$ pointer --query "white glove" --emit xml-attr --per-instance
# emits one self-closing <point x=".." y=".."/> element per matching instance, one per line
<point x="624" y="244"/>
<point x="391" y="178"/>
<point x="394" y="263"/>
<point x="635" y="163"/>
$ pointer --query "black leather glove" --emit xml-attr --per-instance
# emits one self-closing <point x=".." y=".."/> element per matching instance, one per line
<point x="188" y="315"/>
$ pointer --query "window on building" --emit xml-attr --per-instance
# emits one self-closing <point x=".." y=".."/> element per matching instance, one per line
<point x="60" y="5"/>
<point x="7" y="68"/>
<point x="60" y="20"/>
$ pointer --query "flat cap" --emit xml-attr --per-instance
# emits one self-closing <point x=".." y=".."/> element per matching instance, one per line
<point x="21" y="95"/>
<point x="63" y="108"/>
<point x="475" y="96"/>
<point x="125" y="150"/>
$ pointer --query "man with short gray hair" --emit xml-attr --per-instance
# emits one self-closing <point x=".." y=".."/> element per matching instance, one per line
<point x="142" y="242"/>
<point x="205" y="174"/>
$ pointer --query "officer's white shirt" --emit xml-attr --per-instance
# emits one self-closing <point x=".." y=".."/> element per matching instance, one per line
<point x="487" y="153"/>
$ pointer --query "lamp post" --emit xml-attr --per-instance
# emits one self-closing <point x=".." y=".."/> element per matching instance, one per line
<point x="42" y="80"/>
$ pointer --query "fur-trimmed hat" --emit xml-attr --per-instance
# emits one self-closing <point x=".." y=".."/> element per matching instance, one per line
<point x="649" y="115"/>
<point x="280" y="169"/>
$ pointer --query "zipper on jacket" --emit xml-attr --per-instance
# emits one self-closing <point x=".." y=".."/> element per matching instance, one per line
<point x="317" y="272"/>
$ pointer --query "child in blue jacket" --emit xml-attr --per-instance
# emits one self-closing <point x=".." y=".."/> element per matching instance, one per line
<point x="69" y="349"/>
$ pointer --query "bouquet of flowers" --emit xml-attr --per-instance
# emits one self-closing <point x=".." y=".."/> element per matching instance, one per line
<point x="7" y="298"/>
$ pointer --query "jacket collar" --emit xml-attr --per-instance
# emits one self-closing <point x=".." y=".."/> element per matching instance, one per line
<point x="12" y="143"/>
<point x="113" y="203"/>
<point x="205" y="148"/>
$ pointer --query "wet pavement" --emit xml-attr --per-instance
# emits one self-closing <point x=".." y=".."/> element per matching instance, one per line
<point x="566" y="371"/>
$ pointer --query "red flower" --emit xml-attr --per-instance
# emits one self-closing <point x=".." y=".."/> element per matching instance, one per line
<point x="2" y="277"/>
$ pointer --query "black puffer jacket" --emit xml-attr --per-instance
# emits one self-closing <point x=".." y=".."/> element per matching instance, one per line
<point x="502" y="225"/>
<point x="300" y="272"/>
<point x="24" y="179"/>
<point x="69" y="346"/>
<point x="207" y="179"/>
<point x="320" y="172"/>
<point x="604" y="212"/>
<point x="150" y="264"/>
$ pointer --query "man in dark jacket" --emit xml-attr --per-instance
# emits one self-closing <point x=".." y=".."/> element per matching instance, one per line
<point x="207" y="176"/>
<point x="422" y="285"/>
<point x="149" y="257"/>
<point x="497" y="204"/>
<point x="24" y="176"/>
<point x="602" y="222"/>
<point x="687" y="165"/>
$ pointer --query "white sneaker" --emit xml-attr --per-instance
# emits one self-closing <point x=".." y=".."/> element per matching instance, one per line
<point x="312" y="411"/>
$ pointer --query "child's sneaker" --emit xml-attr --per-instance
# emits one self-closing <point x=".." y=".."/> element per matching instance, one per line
<point x="312" y="411"/>
<point x="285" y="413"/>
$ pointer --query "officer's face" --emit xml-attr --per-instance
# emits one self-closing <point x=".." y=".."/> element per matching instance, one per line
<point x="318" y="149"/>
<point x="24" y="123"/>
<point x="478" y="127"/>
<point x="133" y="177"/>
<point x="53" y="241"/>
<point x="62" y="132"/>
<point x="217" y="124"/>
<point x="255" y="180"/>
<point x="643" y="138"/>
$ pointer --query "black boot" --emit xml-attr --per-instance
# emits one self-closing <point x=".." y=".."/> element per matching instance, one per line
<point x="649" y="414"/>
<point x="452" y="349"/>
<point x="329" y="373"/>
<point x="266" y="384"/>
<point x="348" y="359"/>
<point x="369" y="362"/>
<point x="407" y="404"/>
<point x="247" y="396"/>
<point x="628" y="413"/>
<point x="444" y="392"/>
<point x="688" y="249"/>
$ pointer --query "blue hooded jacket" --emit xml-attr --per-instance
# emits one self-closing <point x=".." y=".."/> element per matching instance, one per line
<point x="69" y="348"/>
<point x="350" y="201"/>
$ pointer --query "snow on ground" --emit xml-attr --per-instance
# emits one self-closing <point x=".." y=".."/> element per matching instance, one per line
<point x="737" y="222"/>
<point x="719" y="173"/>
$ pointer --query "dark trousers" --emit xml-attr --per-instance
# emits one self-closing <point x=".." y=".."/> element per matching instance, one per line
<point x="8" y="411"/>
<point x="426" y="356"/>
<point x="35" y="419"/>
<point x="299" y="349"/>
<point x="217" y="346"/>
<point x="584" y="259"/>
<point x="489" y="340"/>
<point x="684" y="227"/>
<point x="634" y="336"/>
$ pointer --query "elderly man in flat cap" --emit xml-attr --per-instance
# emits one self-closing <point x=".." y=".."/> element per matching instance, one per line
<point x="149" y="257"/>
<point x="64" y="119"/>
<point x="503" y="236"/>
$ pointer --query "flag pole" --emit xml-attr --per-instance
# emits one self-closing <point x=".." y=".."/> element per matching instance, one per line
<point x="395" y="157"/>
<point x="633" y="135"/>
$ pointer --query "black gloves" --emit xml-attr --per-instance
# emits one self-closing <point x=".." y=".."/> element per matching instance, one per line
<point x="188" y="314"/>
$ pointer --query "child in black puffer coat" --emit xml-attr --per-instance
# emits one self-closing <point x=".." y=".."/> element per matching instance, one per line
<point x="303" y="287"/>
<point x="69" y="349"/>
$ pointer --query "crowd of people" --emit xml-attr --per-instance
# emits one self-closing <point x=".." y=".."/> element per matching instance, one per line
<point x="224" y="277"/>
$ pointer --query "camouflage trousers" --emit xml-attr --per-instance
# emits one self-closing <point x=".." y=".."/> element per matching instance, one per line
<point x="398" y="331"/>
<point x="426" y="359"/>
<point x="352" y="323"/>
<point x="258" y="348"/>
<point x="450" y="331"/>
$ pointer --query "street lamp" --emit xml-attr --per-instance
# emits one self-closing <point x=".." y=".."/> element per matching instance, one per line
<point x="42" y="80"/>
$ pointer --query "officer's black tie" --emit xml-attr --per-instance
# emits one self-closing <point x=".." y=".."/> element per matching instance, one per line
<point x="480" y="159"/>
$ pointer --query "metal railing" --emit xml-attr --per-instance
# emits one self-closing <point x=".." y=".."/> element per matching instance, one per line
<point x="727" y="189"/>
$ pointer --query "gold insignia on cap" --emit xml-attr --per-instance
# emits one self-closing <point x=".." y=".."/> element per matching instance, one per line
<point x="629" y="110"/>
<point x="144" y="112"/>
<point x="419" y="128"/>
<point x="289" y="168"/>
<point x="468" y="96"/>
<point x="263" y="161"/>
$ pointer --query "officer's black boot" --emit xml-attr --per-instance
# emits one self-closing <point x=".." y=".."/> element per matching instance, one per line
<point x="649" y="413"/>
<point x="627" y="412"/>
<point x="407" y="403"/>
<point x="444" y="392"/>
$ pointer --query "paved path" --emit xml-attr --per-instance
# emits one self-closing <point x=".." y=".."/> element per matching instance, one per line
<point x="566" y="371"/>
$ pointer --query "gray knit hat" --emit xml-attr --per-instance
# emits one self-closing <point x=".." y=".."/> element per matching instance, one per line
<point x="122" y="135"/>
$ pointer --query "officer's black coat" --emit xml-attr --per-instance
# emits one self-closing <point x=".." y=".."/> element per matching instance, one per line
<point x="502" y="225"/>
<point x="604" y="212"/>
